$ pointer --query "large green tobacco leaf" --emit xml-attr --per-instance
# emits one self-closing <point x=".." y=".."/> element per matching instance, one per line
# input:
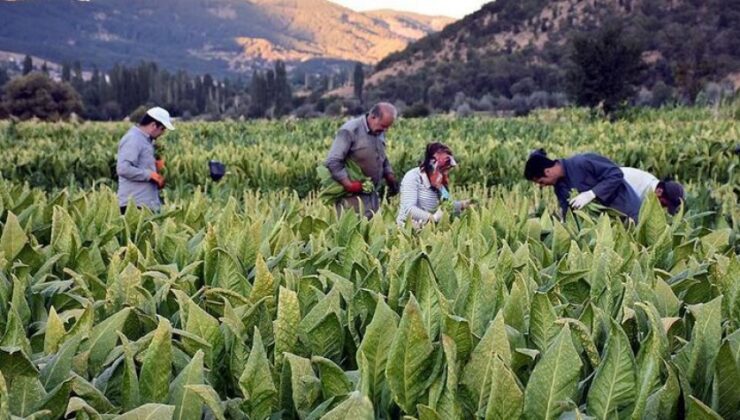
<point x="149" y="412"/>
<point x="458" y="329"/>
<point x="64" y="236"/>
<point x="699" y="411"/>
<point x="56" y="400"/>
<point x="649" y="359"/>
<point x="421" y="281"/>
<point x="154" y="380"/>
<point x="479" y="306"/>
<point x="59" y="367"/>
<point x="25" y="394"/>
<point x="256" y="382"/>
<point x="208" y="396"/>
<point x="663" y="404"/>
<point x="449" y="404"/>
<point x="542" y="328"/>
<point x="299" y="386"/>
<point x="613" y="386"/>
<point x="264" y="283"/>
<point x="506" y="398"/>
<point x="330" y="304"/>
<point x="130" y="394"/>
<point x="187" y="405"/>
<point x="476" y="374"/>
<point x="54" y="332"/>
<point x="409" y="359"/>
<point x="15" y="333"/>
<point x="726" y="399"/>
<point x="696" y="359"/>
<point x="554" y="379"/>
<point x="652" y="223"/>
<point x="285" y="326"/>
<point x="103" y="338"/>
<point x="204" y="326"/>
<point x="356" y="407"/>
<point x="13" y="238"/>
<point x="327" y="337"/>
<point x="334" y="381"/>
<point x="372" y="355"/>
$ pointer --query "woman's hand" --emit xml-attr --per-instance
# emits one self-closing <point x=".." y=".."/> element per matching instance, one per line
<point x="465" y="204"/>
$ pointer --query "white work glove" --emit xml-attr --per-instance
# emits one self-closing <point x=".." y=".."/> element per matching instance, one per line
<point x="437" y="216"/>
<point x="582" y="199"/>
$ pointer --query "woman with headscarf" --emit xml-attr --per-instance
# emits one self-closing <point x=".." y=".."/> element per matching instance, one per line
<point x="425" y="188"/>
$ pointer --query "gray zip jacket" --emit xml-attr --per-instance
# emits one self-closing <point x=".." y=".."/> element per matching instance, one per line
<point x="135" y="165"/>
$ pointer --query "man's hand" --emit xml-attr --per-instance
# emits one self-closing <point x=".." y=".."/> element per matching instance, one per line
<point x="160" y="164"/>
<point x="582" y="199"/>
<point x="392" y="185"/>
<point x="352" y="187"/>
<point x="157" y="179"/>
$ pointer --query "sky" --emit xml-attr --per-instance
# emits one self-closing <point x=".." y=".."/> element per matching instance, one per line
<point x="452" y="8"/>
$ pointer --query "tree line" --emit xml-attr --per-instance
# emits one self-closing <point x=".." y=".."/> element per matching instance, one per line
<point x="124" y="91"/>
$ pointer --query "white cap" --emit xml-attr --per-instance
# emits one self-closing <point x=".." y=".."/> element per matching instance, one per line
<point x="161" y="115"/>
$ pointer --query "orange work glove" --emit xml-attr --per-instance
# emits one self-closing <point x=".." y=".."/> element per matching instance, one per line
<point x="157" y="179"/>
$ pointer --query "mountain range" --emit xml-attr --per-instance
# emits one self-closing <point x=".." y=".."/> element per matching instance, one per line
<point x="216" y="36"/>
<point x="520" y="48"/>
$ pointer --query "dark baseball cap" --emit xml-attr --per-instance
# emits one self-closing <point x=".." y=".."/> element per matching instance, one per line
<point x="674" y="194"/>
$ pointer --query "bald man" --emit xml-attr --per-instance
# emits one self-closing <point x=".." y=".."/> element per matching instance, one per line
<point x="362" y="140"/>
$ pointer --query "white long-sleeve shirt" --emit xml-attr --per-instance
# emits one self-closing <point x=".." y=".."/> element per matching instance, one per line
<point x="135" y="163"/>
<point x="640" y="181"/>
<point x="418" y="199"/>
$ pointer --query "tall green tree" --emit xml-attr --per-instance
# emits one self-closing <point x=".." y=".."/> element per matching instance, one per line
<point x="358" y="79"/>
<point x="36" y="95"/>
<point x="77" y="79"/>
<point x="27" y="65"/>
<point x="3" y="78"/>
<point x="605" y="67"/>
<point x="66" y="72"/>
<point x="259" y="93"/>
<point x="283" y="94"/>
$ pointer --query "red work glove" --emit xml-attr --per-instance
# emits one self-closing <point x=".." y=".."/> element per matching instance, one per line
<point x="160" y="164"/>
<point x="157" y="179"/>
<point x="353" y="187"/>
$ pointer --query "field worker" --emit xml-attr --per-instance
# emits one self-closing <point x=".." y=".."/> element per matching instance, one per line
<point x="593" y="176"/>
<point x="138" y="174"/>
<point x="670" y="193"/>
<point x="362" y="140"/>
<point x="425" y="187"/>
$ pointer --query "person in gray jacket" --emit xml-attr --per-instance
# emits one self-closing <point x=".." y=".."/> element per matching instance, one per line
<point x="137" y="169"/>
<point x="362" y="140"/>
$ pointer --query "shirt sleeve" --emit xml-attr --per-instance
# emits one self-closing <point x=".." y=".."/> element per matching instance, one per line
<point x="128" y="159"/>
<point x="387" y="169"/>
<point x="410" y="200"/>
<point x="608" y="176"/>
<point x="561" y="192"/>
<point x="335" y="161"/>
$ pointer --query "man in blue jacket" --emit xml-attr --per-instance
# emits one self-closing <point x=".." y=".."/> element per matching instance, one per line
<point x="593" y="176"/>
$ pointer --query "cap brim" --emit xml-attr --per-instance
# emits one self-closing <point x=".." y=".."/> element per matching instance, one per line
<point x="673" y="208"/>
<point x="168" y="125"/>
